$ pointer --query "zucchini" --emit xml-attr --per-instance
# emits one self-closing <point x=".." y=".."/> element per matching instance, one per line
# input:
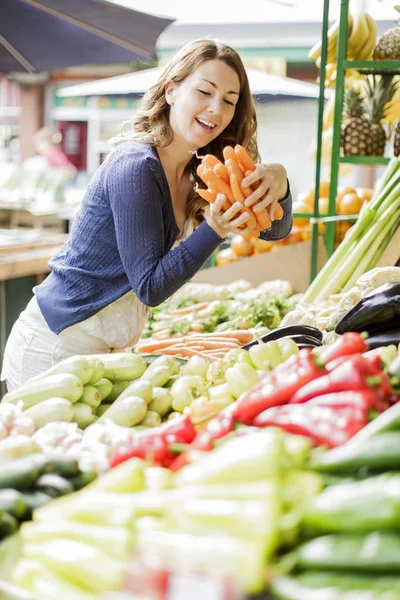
<point x="104" y="387"/>
<point x="83" y="479"/>
<point x="83" y="414"/>
<point x="8" y="525"/>
<point x="98" y="370"/>
<point x="99" y="412"/>
<point x="90" y="396"/>
<point x="122" y="366"/>
<point x="141" y="387"/>
<point x="54" y="485"/>
<point x="117" y="388"/>
<point x="126" y="412"/>
<point x="20" y="474"/>
<point x="34" y="500"/>
<point x="13" y="502"/>
<point x="48" y="411"/>
<point x="54" y="386"/>
<point x="80" y="366"/>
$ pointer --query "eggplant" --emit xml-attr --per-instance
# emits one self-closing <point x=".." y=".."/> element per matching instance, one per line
<point x="378" y="310"/>
<point x="383" y="337"/>
<point x="305" y="340"/>
<point x="288" y="331"/>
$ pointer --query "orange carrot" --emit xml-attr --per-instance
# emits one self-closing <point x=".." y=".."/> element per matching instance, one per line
<point x="220" y="170"/>
<point x="242" y="335"/>
<point x="229" y="152"/>
<point x="211" y="345"/>
<point x="188" y="309"/>
<point x="244" y="159"/>
<point x="210" y="161"/>
<point x="233" y="169"/>
<point x="278" y="214"/>
<point x="159" y="345"/>
<point x="201" y="339"/>
<point x="207" y="195"/>
<point x="239" y="197"/>
<point x="217" y="185"/>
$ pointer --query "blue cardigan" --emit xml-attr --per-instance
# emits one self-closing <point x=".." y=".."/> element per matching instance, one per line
<point x="121" y="240"/>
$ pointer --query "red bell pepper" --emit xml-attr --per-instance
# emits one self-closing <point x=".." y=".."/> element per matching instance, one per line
<point x="357" y="373"/>
<point x="363" y="399"/>
<point x="347" y="344"/>
<point x="220" y="426"/>
<point x="326" y="425"/>
<point x="157" y="443"/>
<point x="278" y="387"/>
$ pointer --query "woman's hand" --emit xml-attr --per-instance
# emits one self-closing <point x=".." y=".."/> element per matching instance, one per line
<point x="229" y="221"/>
<point x="273" y="178"/>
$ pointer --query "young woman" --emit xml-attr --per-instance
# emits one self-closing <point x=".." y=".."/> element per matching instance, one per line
<point x="142" y="231"/>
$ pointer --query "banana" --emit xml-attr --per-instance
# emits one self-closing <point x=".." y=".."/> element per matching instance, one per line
<point x="367" y="50"/>
<point x="333" y="32"/>
<point x="359" y="34"/>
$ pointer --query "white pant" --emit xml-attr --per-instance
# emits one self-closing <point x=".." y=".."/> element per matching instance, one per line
<point x="32" y="347"/>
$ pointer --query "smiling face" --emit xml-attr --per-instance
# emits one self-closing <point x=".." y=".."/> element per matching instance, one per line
<point x="203" y="104"/>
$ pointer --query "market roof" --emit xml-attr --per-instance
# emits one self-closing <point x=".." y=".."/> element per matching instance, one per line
<point x="261" y="84"/>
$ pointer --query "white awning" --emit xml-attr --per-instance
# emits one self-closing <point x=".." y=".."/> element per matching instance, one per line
<point x="261" y="84"/>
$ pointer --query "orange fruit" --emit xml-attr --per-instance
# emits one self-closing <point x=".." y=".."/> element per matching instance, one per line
<point x="241" y="246"/>
<point x="324" y="189"/>
<point x="365" y="193"/>
<point x="301" y="207"/>
<point x="226" y="256"/>
<point x="342" y="191"/>
<point x="323" y="206"/>
<point x="261" y="245"/>
<point x="350" y="204"/>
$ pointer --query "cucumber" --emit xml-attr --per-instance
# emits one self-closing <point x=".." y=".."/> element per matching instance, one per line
<point x="34" y="500"/>
<point x="104" y="387"/>
<point x="13" y="502"/>
<point x="90" y="396"/>
<point x="54" y="386"/>
<point x="122" y="366"/>
<point x="80" y="366"/>
<point x="54" y="485"/>
<point x="8" y="525"/>
<point x="161" y="401"/>
<point x="117" y="388"/>
<point x="83" y="479"/>
<point x="48" y="411"/>
<point x="20" y="474"/>
<point x="83" y="414"/>
<point x="98" y="370"/>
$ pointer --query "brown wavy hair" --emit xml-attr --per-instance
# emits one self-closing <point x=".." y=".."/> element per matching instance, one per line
<point x="151" y="123"/>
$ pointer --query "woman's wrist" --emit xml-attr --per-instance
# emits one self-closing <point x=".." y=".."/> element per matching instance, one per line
<point x="221" y="231"/>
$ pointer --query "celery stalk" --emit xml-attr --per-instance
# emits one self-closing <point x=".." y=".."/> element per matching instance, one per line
<point x="342" y="275"/>
<point x="375" y="251"/>
<point x="335" y="272"/>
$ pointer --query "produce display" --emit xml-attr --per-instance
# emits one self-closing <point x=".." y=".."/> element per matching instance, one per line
<point x="32" y="186"/>
<point x="219" y="458"/>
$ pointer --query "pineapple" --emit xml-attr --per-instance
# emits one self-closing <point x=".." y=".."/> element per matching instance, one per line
<point x="396" y="139"/>
<point x="356" y="139"/>
<point x="379" y="94"/>
<point x="388" y="47"/>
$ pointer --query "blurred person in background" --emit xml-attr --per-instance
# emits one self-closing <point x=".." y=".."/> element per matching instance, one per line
<point x="49" y="153"/>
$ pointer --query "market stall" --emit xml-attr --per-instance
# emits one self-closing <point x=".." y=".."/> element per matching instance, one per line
<point x="248" y="444"/>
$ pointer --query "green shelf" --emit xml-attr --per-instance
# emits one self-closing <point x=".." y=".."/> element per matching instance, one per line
<point x="373" y="65"/>
<point x="365" y="160"/>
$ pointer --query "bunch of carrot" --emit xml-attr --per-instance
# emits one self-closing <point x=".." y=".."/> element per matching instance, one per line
<point x="212" y="346"/>
<point x="226" y="178"/>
